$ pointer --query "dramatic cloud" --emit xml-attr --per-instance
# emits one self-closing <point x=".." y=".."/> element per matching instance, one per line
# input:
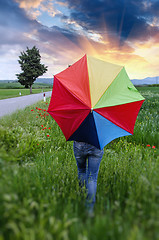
<point x="30" y="5"/>
<point x="124" y="18"/>
<point x="124" y="32"/>
<point x="27" y="4"/>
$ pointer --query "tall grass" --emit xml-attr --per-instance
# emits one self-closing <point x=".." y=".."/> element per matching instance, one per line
<point x="39" y="192"/>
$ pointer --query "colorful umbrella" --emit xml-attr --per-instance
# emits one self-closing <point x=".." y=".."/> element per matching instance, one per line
<point x="94" y="101"/>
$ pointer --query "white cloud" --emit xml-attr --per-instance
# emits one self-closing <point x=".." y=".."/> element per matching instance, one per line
<point x="28" y="4"/>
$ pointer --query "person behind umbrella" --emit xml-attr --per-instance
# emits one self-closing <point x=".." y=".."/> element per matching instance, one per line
<point x="88" y="159"/>
<point x="93" y="101"/>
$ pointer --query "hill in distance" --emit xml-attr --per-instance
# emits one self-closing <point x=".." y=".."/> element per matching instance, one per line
<point x="146" y="81"/>
<point x="45" y="80"/>
<point x="137" y="82"/>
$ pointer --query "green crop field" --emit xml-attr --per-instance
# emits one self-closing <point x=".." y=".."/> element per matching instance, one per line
<point x="13" y="89"/>
<point x="16" y="85"/>
<point x="40" y="198"/>
<point x="10" y="93"/>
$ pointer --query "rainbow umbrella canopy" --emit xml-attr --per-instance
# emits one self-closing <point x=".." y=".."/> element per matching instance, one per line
<point x="94" y="101"/>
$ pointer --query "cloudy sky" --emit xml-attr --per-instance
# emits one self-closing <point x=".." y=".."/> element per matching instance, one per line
<point x="125" y="32"/>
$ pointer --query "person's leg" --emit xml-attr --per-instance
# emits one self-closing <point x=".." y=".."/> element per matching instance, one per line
<point x="80" y="156"/>
<point x="94" y="159"/>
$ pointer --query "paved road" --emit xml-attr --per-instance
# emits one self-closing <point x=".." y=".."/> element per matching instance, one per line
<point x="10" y="105"/>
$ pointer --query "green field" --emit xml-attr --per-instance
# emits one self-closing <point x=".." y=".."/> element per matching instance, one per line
<point x="10" y="93"/>
<point x="16" y="85"/>
<point x="40" y="198"/>
<point x="13" y="89"/>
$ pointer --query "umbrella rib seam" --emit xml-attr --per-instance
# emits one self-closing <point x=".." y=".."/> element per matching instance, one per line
<point x="72" y="93"/>
<point x="114" y="123"/>
<point x="108" y="86"/>
<point x="96" y="132"/>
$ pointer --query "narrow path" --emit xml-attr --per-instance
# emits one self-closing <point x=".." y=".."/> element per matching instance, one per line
<point x="10" y="105"/>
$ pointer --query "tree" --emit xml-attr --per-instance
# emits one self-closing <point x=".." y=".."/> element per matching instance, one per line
<point x="30" y="65"/>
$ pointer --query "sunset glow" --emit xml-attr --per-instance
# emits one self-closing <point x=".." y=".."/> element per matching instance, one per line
<point x="121" y="32"/>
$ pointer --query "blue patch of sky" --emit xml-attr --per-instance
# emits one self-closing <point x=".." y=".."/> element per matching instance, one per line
<point x="50" y="21"/>
<point x="46" y="20"/>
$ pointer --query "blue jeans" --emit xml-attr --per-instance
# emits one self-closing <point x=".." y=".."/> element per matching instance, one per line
<point x="88" y="170"/>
